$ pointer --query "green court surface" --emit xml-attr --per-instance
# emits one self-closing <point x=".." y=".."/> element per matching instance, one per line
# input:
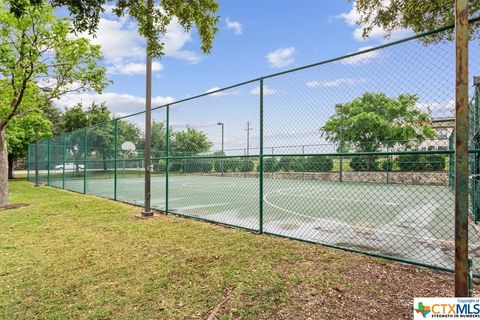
<point x="411" y="222"/>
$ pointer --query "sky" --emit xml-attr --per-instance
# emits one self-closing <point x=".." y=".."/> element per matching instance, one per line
<point x="258" y="38"/>
<point x="255" y="38"/>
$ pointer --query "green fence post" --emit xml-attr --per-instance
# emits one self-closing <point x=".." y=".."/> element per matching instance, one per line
<point x="48" y="162"/>
<point x="85" y="163"/>
<point x="389" y="163"/>
<point x="167" y="154"/>
<point x="115" y="159"/>
<point x="260" y="171"/>
<point x="28" y="162"/>
<point x="303" y="162"/>
<point x="64" y="149"/>
<point x="476" y="159"/>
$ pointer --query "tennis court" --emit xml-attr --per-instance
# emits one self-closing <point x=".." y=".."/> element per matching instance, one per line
<point x="411" y="222"/>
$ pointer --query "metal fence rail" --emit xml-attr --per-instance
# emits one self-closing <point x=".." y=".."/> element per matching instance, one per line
<point x="256" y="155"/>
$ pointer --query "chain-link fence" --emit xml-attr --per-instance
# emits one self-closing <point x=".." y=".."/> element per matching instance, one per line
<point x="355" y="152"/>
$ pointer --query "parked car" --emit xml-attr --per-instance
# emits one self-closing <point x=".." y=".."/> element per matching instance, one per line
<point x="69" y="166"/>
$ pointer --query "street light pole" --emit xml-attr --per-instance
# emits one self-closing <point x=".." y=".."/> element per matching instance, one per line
<point x="248" y="137"/>
<point x="148" y="127"/>
<point x="223" y="134"/>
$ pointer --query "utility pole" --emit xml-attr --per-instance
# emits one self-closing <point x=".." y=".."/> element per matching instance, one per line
<point x="461" y="148"/>
<point x="248" y="137"/>
<point x="148" y="125"/>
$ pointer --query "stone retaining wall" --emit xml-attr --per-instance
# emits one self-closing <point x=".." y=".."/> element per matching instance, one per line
<point x="439" y="178"/>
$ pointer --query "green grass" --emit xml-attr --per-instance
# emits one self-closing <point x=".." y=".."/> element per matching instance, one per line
<point x="70" y="256"/>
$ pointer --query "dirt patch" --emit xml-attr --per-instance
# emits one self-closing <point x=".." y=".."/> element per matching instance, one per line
<point x="14" y="206"/>
<point x="156" y="214"/>
<point x="371" y="290"/>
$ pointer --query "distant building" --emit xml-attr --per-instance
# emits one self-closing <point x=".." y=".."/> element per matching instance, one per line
<point x="444" y="128"/>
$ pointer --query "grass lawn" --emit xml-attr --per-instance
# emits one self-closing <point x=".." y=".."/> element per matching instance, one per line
<point x="69" y="256"/>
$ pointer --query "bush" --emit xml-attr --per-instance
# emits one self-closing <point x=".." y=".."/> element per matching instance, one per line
<point x="269" y="165"/>
<point x="198" y="165"/>
<point x="318" y="164"/>
<point x="175" y="166"/>
<point x="435" y="162"/>
<point x="417" y="162"/>
<point x="387" y="165"/>
<point x="246" y="166"/>
<point x="159" y="166"/>
<point x="362" y="163"/>
<point x="290" y="164"/>
<point x="226" y="165"/>
<point x="409" y="162"/>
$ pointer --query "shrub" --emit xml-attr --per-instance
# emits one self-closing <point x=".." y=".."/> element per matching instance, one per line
<point x="361" y="163"/>
<point x="226" y="165"/>
<point x="435" y="162"/>
<point x="159" y="166"/>
<point x="269" y="165"/>
<point x="387" y="165"/>
<point x="290" y="164"/>
<point x="246" y="166"/>
<point x="408" y="162"/>
<point x="318" y="164"/>
<point x="199" y="165"/>
<point x="175" y="166"/>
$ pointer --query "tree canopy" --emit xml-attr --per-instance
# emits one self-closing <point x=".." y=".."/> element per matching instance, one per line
<point x="190" y="142"/>
<point x="152" y="21"/>
<point x="417" y="15"/>
<point x="374" y="120"/>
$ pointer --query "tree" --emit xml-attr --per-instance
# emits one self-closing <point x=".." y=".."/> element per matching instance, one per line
<point x="375" y="121"/>
<point x="55" y="116"/>
<point x="158" y="138"/>
<point x="39" y="57"/>
<point x="100" y="131"/>
<point x="418" y="15"/>
<point x="21" y="132"/>
<point x="190" y="142"/>
<point x="152" y="21"/>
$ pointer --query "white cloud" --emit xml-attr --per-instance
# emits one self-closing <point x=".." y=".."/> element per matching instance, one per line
<point x="124" y="49"/>
<point x="175" y="39"/>
<point x="222" y="93"/>
<point x="437" y="109"/>
<point x="353" y="16"/>
<point x="266" y="91"/>
<point x="216" y="94"/>
<point x="235" y="26"/>
<point x="134" y="68"/>
<point x="281" y="57"/>
<point x="118" y="103"/>
<point x="362" y="58"/>
<point x="335" y="83"/>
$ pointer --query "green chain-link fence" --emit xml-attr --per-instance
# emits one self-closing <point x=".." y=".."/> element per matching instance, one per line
<point x="258" y="155"/>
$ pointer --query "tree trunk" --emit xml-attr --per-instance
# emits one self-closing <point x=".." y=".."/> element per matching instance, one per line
<point x="3" y="169"/>
<point x="10" y="166"/>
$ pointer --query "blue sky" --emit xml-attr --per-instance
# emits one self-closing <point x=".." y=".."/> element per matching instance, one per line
<point x="258" y="38"/>
<point x="304" y="31"/>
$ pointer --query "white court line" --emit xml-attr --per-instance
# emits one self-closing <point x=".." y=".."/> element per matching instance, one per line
<point x="352" y="225"/>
